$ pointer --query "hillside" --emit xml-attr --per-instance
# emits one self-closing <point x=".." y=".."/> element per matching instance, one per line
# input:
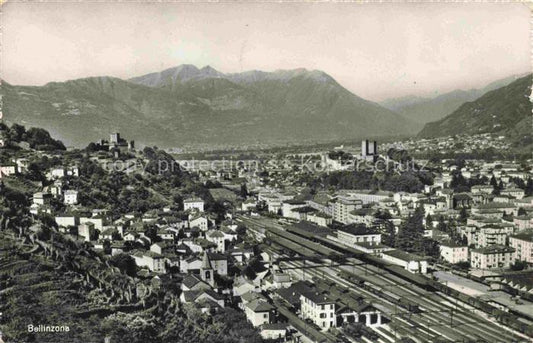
<point x="424" y="110"/>
<point x="506" y="110"/>
<point x="187" y="105"/>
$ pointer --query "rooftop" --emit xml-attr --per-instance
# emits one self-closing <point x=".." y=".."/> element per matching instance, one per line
<point x="451" y="244"/>
<point x="402" y="255"/>
<point x="318" y="298"/>
<point x="494" y="249"/>
<point x="258" y="305"/>
<point x="524" y="236"/>
<point x="358" y="230"/>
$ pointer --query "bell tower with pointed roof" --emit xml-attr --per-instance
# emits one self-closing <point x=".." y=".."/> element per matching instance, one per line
<point x="206" y="270"/>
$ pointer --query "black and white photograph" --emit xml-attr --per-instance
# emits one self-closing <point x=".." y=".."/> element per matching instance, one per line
<point x="268" y="171"/>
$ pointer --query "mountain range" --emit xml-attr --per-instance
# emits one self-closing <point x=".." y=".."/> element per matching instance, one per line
<point x="190" y="106"/>
<point x="187" y="105"/>
<point x="422" y="110"/>
<point x="506" y="110"/>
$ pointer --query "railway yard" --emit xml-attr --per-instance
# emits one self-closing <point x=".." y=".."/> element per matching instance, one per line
<point x="413" y="306"/>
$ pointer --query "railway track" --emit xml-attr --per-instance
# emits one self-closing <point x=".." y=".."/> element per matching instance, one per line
<point x="440" y="320"/>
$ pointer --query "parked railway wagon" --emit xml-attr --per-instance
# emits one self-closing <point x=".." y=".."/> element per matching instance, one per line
<point x="394" y="298"/>
<point x="353" y="278"/>
<point x="417" y="279"/>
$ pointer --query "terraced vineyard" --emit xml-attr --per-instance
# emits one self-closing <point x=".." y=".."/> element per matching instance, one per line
<point x="62" y="282"/>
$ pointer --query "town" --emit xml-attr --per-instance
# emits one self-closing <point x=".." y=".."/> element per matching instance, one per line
<point x="375" y="242"/>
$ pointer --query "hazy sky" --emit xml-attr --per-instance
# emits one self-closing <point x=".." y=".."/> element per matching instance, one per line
<point x="374" y="50"/>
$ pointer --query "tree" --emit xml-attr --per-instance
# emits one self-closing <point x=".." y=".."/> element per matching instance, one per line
<point x="459" y="183"/>
<point x="442" y="226"/>
<point x="522" y="212"/>
<point x="40" y="139"/>
<point x="519" y="265"/>
<point x="383" y="214"/>
<point x="389" y="238"/>
<point x="463" y="215"/>
<point x="465" y="265"/>
<point x="244" y="191"/>
<point x="16" y="133"/>
<point x="254" y="266"/>
<point x="429" y="221"/>
<point x="241" y="230"/>
<point x="412" y="231"/>
<point x="498" y="188"/>
<point x="125" y="263"/>
<point x="261" y="206"/>
<point x="529" y="187"/>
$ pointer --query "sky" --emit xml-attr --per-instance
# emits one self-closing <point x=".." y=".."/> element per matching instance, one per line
<point x="376" y="51"/>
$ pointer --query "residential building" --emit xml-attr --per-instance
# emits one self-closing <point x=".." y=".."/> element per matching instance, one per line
<point x="219" y="263"/>
<point x="258" y="312"/>
<point x="198" y="221"/>
<point x="70" y="197"/>
<point x="516" y="193"/>
<point x="217" y="237"/>
<point x="195" y="204"/>
<point x="87" y="231"/>
<point x="153" y="261"/>
<point x="8" y="169"/>
<point x="41" y="198"/>
<point x="353" y="234"/>
<point x="319" y="308"/>
<point x="66" y="220"/>
<point x="288" y="206"/>
<point x="342" y="206"/>
<point x="274" y="331"/>
<point x="523" y="245"/>
<point x="453" y="253"/>
<point x="491" y="257"/>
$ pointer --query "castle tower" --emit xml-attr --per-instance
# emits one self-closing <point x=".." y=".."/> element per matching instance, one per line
<point x="114" y="138"/>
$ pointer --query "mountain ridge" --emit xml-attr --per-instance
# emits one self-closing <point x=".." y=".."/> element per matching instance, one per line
<point x="506" y="110"/>
<point x="423" y="110"/>
<point x="190" y="105"/>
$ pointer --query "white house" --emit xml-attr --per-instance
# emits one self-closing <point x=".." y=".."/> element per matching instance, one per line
<point x="523" y="245"/>
<point x="189" y="264"/>
<point x="218" y="238"/>
<point x="87" y="231"/>
<point x="249" y="205"/>
<point x="7" y="170"/>
<point x="219" y="263"/>
<point x="200" y="222"/>
<point x="274" y="331"/>
<point x="491" y="257"/>
<point x="153" y="261"/>
<point x="97" y="221"/>
<point x="358" y="233"/>
<point x="318" y="218"/>
<point x="319" y="308"/>
<point x="196" y="204"/>
<point x="258" y="312"/>
<point x="66" y="220"/>
<point x="41" y="198"/>
<point x="70" y="197"/>
<point x="453" y="253"/>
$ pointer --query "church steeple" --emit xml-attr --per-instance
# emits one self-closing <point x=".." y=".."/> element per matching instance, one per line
<point x="206" y="270"/>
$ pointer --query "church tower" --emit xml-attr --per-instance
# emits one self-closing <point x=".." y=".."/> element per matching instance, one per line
<point x="206" y="270"/>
